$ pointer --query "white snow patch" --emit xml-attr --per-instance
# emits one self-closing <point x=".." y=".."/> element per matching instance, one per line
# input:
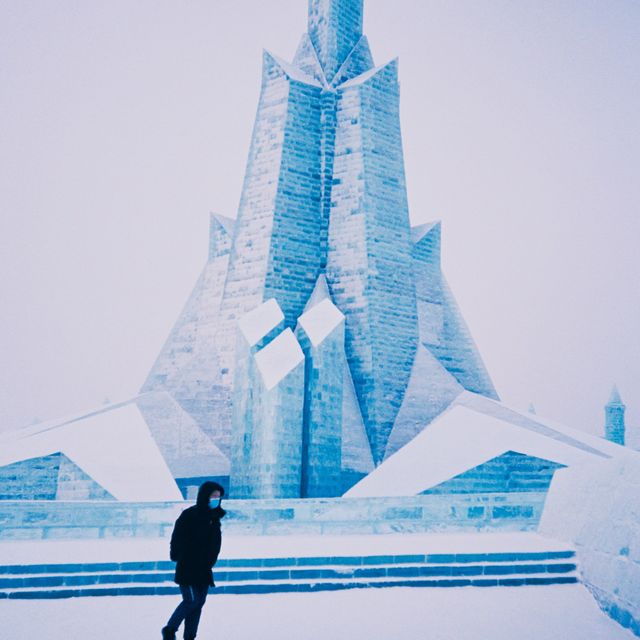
<point x="596" y="445"/>
<point x="258" y="322"/>
<point x="525" y="613"/>
<point x="459" y="439"/>
<point x="281" y="356"/>
<point x="284" y="546"/>
<point x="320" y="321"/>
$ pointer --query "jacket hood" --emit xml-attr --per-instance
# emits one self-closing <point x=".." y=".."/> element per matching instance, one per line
<point x="205" y="490"/>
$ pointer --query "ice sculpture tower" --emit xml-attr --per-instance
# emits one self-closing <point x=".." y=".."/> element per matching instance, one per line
<point x="323" y="215"/>
<point x="614" y="417"/>
<point x="321" y="351"/>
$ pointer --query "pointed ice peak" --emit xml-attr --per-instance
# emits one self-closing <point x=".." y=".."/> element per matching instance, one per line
<point x="430" y="391"/>
<point x="421" y="230"/>
<point x="260" y="322"/>
<point x="228" y="224"/>
<point x="391" y="67"/>
<point x="614" y="398"/>
<point x="531" y="408"/>
<point x="306" y="59"/>
<point x="279" y="358"/>
<point x="291" y="71"/>
<point x="320" y="321"/>
<point x="334" y="26"/>
<point x="220" y="235"/>
<point x="320" y="292"/>
<point x="358" y="62"/>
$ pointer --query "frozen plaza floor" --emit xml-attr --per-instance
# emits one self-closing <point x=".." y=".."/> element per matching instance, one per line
<point x="556" y="612"/>
<point x="563" y="612"/>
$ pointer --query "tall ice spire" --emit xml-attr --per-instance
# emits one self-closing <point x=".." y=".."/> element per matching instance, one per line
<point x="324" y="214"/>
<point x="334" y="26"/>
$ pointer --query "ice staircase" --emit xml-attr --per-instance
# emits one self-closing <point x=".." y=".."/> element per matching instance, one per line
<point x="285" y="574"/>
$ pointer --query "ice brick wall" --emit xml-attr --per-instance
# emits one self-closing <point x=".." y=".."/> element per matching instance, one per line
<point x="333" y="516"/>
<point x="276" y="460"/>
<point x="430" y="391"/>
<point x="442" y="329"/>
<point x="357" y="461"/>
<point x="324" y="192"/>
<point x="188" y="364"/>
<point x="458" y="352"/>
<point x="334" y="451"/>
<point x="512" y="472"/>
<point x="369" y="267"/>
<point x="358" y="61"/>
<point x="320" y="332"/>
<point x="428" y="279"/>
<point x="276" y="250"/>
<point x="614" y="418"/>
<point x="75" y="484"/>
<point x="597" y="507"/>
<point x="334" y="26"/>
<point x="268" y="414"/>
<point x="296" y="251"/>
<point x="34" y="479"/>
<point x="192" y="333"/>
<point x="52" y="477"/>
<point x="306" y="59"/>
<point x="186" y="449"/>
<point x="255" y="330"/>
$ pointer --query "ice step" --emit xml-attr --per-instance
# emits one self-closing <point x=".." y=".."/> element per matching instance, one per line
<point x="267" y="575"/>
<point x="16" y="581"/>
<point x="263" y="586"/>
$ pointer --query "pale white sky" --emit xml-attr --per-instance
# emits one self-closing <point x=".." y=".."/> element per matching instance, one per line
<point x="125" y="122"/>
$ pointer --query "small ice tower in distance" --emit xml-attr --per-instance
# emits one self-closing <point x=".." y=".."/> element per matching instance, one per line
<point x="614" y="417"/>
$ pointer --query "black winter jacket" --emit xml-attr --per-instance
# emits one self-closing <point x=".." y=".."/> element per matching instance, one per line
<point x="195" y="544"/>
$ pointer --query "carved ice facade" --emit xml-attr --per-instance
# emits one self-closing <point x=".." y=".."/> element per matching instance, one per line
<point x="324" y="208"/>
<point x="321" y="337"/>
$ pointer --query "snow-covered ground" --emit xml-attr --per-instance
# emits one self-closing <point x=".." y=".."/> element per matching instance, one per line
<point x="565" y="612"/>
<point x="559" y="612"/>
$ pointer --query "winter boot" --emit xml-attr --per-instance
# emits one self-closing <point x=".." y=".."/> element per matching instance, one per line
<point x="168" y="634"/>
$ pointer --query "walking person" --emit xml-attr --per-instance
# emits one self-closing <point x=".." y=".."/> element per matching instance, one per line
<point x="195" y="545"/>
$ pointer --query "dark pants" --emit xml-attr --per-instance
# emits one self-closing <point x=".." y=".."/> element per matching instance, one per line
<point x="193" y="599"/>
